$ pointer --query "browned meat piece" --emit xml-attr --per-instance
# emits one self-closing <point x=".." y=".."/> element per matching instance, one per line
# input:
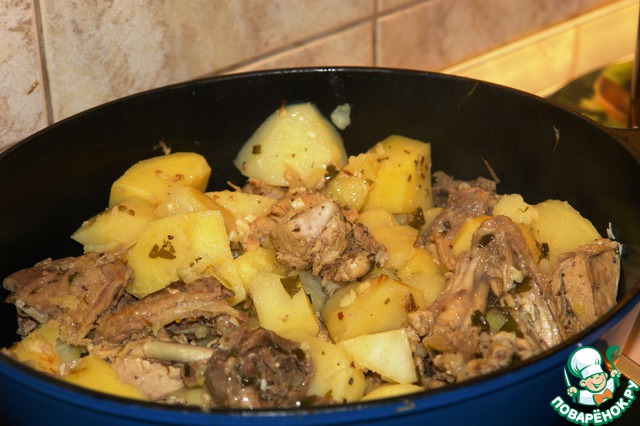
<point x="314" y="237"/>
<point x="488" y="274"/>
<point x="258" y="369"/>
<point x="321" y="239"/>
<point x="585" y="282"/>
<point x="153" y="379"/>
<point x="497" y="351"/>
<point x="287" y="205"/>
<point x="310" y="231"/>
<point x="73" y="291"/>
<point x="258" y="187"/>
<point x="516" y="281"/>
<point x="443" y="184"/>
<point x="463" y="203"/>
<point x="204" y="298"/>
<point x="449" y="333"/>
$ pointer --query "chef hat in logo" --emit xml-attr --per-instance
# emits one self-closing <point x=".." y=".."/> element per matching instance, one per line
<point x="585" y="362"/>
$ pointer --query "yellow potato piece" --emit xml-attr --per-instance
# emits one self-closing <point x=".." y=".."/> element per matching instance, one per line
<point x="377" y="218"/>
<point x="387" y="353"/>
<point x="335" y="375"/>
<point x="403" y="182"/>
<point x="277" y="311"/>
<point x="462" y="240"/>
<point x="398" y="240"/>
<point x="153" y="178"/>
<point x="561" y="227"/>
<point x="258" y="260"/>
<point x="245" y="206"/>
<point x="391" y="390"/>
<point x="296" y="139"/>
<point x="117" y="226"/>
<point x="242" y="208"/>
<point x="95" y="374"/>
<point x="183" y="247"/>
<point x="352" y="184"/>
<point x="422" y="272"/>
<point x="514" y="207"/>
<point x="39" y="349"/>
<point x="368" y="307"/>
<point x="186" y="199"/>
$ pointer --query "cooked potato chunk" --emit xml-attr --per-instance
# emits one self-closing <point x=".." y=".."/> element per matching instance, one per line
<point x="43" y="350"/>
<point x="377" y="218"/>
<point x="258" y="260"/>
<point x="153" y="178"/>
<point x="295" y="141"/>
<point x="561" y="228"/>
<point x="277" y="310"/>
<point x="183" y="247"/>
<point x="116" y="226"/>
<point x="423" y="273"/>
<point x="186" y="199"/>
<point x="93" y="373"/>
<point x="369" y="307"/>
<point x="391" y="390"/>
<point x="335" y="375"/>
<point x="387" y="353"/>
<point x="398" y="240"/>
<point x="245" y="206"/>
<point x="462" y="240"/>
<point x="352" y="184"/>
<point x="403" y="182"/>
<point x="514" y="207"/>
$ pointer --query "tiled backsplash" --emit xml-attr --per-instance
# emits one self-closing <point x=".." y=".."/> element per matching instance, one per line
<point x="58" y="58"/>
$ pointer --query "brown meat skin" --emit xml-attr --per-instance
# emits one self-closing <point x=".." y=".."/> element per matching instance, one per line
<point x="204" y="298"/>
<point x="443" y="184"/>
<point x="463" y="203"/>
<point x="258" y="369"/>
<point x="153" y="379"/>
<point x="585" y="283"/>
<point x="73" y="291"/>
<point x="312" y="232"/>
<point x="486" y="275"/>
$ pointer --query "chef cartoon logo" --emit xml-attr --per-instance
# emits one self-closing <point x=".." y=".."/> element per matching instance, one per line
<point x="595" y="388"/>
<point x="585" y="363"/>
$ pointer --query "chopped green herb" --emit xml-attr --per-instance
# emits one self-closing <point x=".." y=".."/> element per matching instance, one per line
<point x="418" y="220"/>
<point x="291" y="284"/>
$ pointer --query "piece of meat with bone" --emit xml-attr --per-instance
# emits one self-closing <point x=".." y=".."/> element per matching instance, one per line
<point x="75" y="291"/>
<point x="497" y="351"/>
<point x="585" y="283"/>
<point x="449" y="333"/>
<point x="154" y="379"/>
<point x="498" y="270"/>
<point x="180" y="303"/>
<point x="517" y="282"/>
<point x="258" y="369"/>
<point x="462" y="204"/>
<point x="258" y="187"/>
<point x="313" y="233"/>
<point x="443" y="184"/>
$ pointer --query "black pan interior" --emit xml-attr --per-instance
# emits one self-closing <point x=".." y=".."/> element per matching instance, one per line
<point x="61" y="176"/>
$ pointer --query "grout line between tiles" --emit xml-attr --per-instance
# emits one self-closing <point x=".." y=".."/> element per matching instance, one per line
<point x="543" y="35"/>
<point x="374" y="33"/>
<point x="48" y="105"/>
<point x="289" y="47"/>
<point x="373" y="19"/>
